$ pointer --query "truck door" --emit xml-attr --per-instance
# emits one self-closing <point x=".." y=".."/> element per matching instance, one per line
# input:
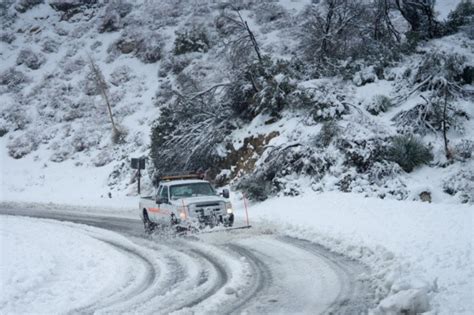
<point x="163" y="213"/>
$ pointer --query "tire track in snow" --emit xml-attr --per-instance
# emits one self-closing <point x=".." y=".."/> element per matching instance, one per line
<point x="354" y="296"/>
<point x="198" y="275"/>
<point x="221" y="275"/>
<point x="134" y="288"/>
<point x="260" y="275"/>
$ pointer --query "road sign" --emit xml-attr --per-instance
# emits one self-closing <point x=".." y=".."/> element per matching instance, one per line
<point x="138" y="164"/>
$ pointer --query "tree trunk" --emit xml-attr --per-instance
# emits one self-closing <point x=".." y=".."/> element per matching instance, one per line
<point x="104" y="93"/>
<point x="445" y="137"/>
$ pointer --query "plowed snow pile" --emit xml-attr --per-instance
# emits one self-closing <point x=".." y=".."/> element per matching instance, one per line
<point x="421" y="254"/>
<point x="49" y="267"/>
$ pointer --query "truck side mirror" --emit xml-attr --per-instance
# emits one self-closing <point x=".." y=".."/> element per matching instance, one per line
<point x="225" y="193"/>
<point x="160" y="200"/>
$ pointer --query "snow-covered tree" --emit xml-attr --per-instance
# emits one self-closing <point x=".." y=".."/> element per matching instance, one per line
<point x="420" y="14"/>
<point x="439" y="79"/>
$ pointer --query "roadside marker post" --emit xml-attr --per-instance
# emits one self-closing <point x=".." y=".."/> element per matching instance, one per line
<point x="246" y="209"/>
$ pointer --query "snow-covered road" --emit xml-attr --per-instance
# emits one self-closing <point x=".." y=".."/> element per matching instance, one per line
<point x="95" y="264"/>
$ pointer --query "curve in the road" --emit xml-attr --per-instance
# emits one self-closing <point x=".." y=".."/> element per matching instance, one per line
<point x="261" y="278"/>
<point x="187" y="275"/>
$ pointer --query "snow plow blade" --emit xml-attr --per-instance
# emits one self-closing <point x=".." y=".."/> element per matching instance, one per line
<point x="225" y="229"/>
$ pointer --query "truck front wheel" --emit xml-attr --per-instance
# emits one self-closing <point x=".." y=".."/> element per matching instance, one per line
<point x="147" y="223"/>
<point x="229" y="221"/>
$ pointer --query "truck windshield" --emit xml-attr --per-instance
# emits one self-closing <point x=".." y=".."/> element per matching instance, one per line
<point x="191" y="190"/>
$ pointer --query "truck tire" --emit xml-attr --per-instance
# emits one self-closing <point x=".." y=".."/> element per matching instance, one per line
<point x="147" y="223"/>
<point x="230" y="221"/>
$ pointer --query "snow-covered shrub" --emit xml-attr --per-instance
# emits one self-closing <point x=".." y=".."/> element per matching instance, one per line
<point x="409" y="120"/>
<point x="72" y="114"/>
<point x="192" y="40"/>
<point x="167" y="13"/>
<point x="149" y="49"/>
<point x="440" y="77"/>
<point x="13" y="79"/>
<point x="90" y="85"/>
<point x="278" y="165"/>
<point x="24" y="5"/>
<point x="267" y="12"/>
<point x="462" y="16"/>
<point x="126" y="44"/>
<point x="50" y="45"/>
<point x="461" y="185"/>
<point x="121" y="74"/>
<point x="164" y="93"/>
<point x="84" y="139"/>
<point x="119" y="135"/>
<point x="382" y="171"/>
<point x="3" y="131"/>
<point x="61" y="154"/>
<point x="114" y="12"/>
<point x="102" y="158"/>
<point x="23" y="144"/>
<point x="175" y="64"/>
<point x="64" y="5"/>
<point x="329" y="131"/>
<point x="15" y="118"/>
<point x="31" y="59"/>
<point x="464" y="149"/>
<point x="254" y="188"/>
<point x="361" y="154"/>
<point x="7" y="37"/>
<point x="73" y="65"/>
<point x="366" y="75"/>
<point x="437" y="67"/>
<point x="240" y="4"/>
<point x="118" y="174"/>
<point x="110" y="23"/>
<point x="379" y="104"/>
<point x="146" y="46"/>
<point x="95" y="45"/>
<point x="326" y="106"/>
<point x="409" y="152"/>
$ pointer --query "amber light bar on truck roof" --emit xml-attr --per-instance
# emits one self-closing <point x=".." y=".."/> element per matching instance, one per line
<point x="183" y="176"/>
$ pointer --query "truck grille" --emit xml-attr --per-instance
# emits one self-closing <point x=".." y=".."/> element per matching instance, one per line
<point x="207" y="208"/>
<point x="206" y="205"/>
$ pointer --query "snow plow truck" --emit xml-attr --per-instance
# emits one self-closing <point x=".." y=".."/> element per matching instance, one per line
<point x="186" y="202"/>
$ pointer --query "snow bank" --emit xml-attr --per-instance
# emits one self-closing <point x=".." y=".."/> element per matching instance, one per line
<point x="420" y="253"/>
<point x="54" y="266"/>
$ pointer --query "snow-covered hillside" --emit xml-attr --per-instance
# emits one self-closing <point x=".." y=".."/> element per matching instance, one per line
<point x="255" y="97"/>
<point x="56" y="134"/>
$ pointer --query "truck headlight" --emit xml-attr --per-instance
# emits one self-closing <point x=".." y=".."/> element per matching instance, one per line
<point x="228" y="207"/>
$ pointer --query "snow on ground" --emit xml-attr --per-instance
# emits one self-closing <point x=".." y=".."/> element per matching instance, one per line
<point x="61" y="183"/>
<point x="54" y="267"/>
<point x="419" y="253"/>
<point x="416" y="250"/>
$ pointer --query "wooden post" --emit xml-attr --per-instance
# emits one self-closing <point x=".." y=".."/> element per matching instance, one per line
<point x="139" y="176"/>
